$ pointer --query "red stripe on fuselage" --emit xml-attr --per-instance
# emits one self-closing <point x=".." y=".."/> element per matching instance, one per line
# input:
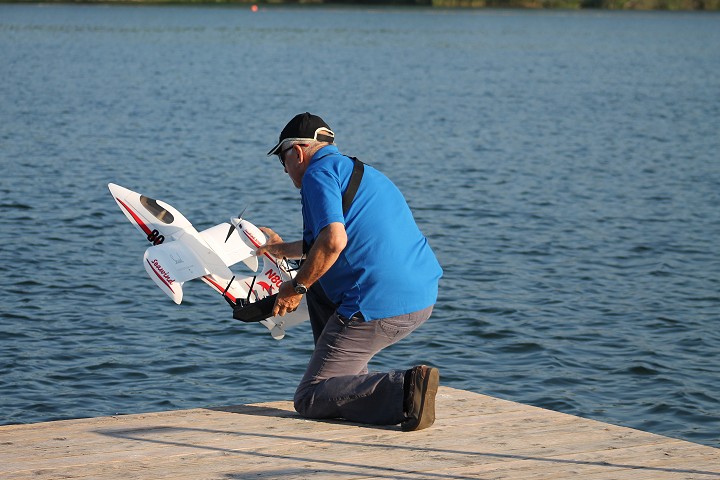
<point x="218" y="287"/>
<point x="135" y="217"/>
<point x="257" y="245"/>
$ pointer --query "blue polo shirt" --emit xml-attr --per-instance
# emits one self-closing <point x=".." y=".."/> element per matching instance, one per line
<point x="387" y="268"/>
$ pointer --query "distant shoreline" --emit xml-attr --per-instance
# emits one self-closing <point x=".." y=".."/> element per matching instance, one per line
<point x="655" y="5"/>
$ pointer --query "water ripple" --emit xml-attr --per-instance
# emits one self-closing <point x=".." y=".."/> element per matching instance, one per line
<point x="574" y="210"/>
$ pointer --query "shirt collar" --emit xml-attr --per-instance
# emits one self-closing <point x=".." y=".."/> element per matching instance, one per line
<point x="324" y="152"/>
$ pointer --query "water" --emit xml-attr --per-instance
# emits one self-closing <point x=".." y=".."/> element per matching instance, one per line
<point x="563" y="164"/>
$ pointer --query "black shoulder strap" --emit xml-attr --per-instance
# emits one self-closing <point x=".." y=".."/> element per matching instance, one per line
<point x="349" y="195"/>
<point x="354" y="184"/>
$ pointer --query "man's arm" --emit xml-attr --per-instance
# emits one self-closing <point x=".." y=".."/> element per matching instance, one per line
<point x="325" y="251"/>
<point x="275" y="246"/>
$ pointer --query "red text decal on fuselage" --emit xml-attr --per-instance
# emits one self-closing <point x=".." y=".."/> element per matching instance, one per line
<point x="274" y="277"/>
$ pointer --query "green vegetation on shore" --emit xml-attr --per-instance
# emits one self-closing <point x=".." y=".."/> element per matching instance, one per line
<point x="529" y="4"/>
<point x="578" y="4"/>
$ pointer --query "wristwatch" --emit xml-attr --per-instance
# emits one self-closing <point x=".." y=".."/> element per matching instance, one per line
<point x="300" y="289"/>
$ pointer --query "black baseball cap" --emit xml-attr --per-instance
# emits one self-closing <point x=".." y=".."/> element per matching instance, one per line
<point x="304" y="126"/>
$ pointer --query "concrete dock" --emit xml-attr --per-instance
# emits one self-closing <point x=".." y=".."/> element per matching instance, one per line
<point x="475" y="436"/>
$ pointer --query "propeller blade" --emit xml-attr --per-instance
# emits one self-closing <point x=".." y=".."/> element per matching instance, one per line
<point x="233" y="226"/>
<point x="230" y="232"/>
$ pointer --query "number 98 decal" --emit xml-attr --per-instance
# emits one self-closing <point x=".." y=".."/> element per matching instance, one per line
<point x="155" y="237"/>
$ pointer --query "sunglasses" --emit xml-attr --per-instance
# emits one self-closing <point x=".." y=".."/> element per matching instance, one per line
<point x="282" y="152"/>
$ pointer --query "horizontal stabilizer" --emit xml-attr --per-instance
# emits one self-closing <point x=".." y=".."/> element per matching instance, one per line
<point x="171" y="264"/>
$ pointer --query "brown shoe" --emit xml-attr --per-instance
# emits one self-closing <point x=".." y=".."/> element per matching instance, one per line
<point x="421" y="386"/>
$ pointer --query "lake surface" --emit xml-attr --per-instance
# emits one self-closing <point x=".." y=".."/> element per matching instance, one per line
<point x="564" y="166"/>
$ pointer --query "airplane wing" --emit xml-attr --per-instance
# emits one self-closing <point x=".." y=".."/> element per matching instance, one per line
<point x="267" y="282"/>
<point x="230" y="249"/>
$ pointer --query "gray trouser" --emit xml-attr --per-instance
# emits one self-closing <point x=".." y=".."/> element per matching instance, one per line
<point x="337" y="383"/>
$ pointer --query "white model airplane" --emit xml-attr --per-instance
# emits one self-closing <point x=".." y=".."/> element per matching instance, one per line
<point x="181" y="253"/>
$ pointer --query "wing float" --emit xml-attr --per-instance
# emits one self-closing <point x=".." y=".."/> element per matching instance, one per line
<point x="180" y="253"/>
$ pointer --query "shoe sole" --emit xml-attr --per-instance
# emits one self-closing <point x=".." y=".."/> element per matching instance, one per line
<point x="427" y="407"/>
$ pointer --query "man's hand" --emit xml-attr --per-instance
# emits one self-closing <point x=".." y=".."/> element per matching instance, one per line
<point x="276" y="247"/>
<point x="272" y="239"/>
<point x="287" y="300"/>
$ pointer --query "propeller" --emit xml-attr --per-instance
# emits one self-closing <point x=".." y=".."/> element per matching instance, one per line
<point x="233" y="225"/>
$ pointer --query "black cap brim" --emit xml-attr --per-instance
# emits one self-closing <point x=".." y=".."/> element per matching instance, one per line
<point x="276" y="149"/>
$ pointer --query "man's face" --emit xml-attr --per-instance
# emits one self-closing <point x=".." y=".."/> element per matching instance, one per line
<point x="295" y="163"/>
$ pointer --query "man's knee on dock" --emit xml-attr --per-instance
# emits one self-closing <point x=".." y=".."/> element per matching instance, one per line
<point x="303" y="400"/>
